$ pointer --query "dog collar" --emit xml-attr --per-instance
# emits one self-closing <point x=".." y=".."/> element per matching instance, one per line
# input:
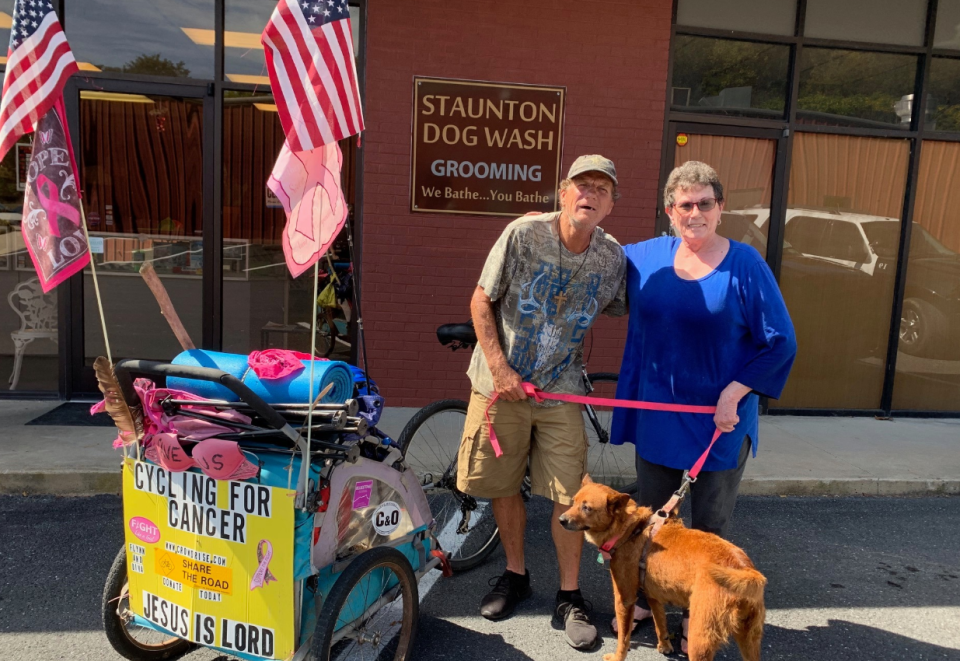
<point x="607" y="548"/>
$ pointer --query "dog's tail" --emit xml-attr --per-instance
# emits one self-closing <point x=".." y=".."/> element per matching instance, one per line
<point x="745" y="583"/>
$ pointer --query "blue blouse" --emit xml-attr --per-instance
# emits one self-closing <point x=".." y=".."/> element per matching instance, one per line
<point x="687" y="340"/>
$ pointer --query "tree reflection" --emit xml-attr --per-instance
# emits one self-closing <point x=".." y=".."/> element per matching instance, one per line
<point x="152" y="65"/>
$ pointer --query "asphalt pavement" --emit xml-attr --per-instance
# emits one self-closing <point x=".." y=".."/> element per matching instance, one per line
<point x="849" y="578"/>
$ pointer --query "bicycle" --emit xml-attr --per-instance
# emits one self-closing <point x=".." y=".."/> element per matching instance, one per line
<point x="468" y="531"/>
<point x="333" y="315"/>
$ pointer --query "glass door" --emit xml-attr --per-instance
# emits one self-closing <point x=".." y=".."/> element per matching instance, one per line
<point x="141" y="157"/>
<point x="745" y="161"/>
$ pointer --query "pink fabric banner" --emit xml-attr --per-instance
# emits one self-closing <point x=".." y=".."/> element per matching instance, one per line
<point x="308" y="186"/>
<point x="51" y="226"/>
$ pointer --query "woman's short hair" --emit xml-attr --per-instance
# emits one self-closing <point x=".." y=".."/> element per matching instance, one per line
<point x="690" y="175"/>
<point x="566" y="183"/>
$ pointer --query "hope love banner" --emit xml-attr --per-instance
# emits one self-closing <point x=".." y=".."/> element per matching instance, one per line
<point x="209" y="560"/>
<point x="51" y="226"/>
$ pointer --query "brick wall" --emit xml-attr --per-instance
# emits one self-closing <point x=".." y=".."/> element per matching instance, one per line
<point x="419" y="270"/>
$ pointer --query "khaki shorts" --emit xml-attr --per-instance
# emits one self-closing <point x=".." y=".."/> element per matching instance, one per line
<point x="553" y="438"/>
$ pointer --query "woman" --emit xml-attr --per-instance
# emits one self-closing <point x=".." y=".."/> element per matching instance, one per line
<point x="708" y="326"/>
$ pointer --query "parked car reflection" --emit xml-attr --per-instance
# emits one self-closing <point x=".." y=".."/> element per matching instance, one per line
<point x="835" y="263"/>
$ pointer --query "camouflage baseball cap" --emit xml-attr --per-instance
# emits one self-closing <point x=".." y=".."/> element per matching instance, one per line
<point x="593" y="163"/>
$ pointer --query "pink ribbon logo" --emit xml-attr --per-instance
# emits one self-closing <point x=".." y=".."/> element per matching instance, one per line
<point x="263" y="576"/>
<point x="50" y="201"/>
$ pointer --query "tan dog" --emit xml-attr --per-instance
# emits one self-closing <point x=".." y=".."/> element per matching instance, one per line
<point x="688" y="568"/>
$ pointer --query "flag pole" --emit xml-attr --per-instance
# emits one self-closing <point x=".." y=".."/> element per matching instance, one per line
<point x="305" y="464"/>
<point x="96" y="283"/>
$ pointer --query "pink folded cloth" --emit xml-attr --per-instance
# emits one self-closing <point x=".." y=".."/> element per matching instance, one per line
<point x="216" y="458"/>
<point x="277" y="363"/>
<point x="223" y="460"/>
<point x="166" y="451"/>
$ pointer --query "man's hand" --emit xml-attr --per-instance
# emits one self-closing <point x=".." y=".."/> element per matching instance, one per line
<point x="726" y="417"/>
<point x="507" y="383"/>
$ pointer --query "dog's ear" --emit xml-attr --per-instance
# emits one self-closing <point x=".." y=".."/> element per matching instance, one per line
<point x="617" y="502"/>
<point x="586" y="480"/>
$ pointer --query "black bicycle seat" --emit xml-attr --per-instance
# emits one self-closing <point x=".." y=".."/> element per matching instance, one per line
<point x="463" y="334"/>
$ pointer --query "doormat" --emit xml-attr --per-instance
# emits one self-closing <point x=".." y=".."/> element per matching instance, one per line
<point x="73" y="414"/>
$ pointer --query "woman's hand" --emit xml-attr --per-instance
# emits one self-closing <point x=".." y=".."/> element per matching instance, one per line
<point x="726" y="417"/>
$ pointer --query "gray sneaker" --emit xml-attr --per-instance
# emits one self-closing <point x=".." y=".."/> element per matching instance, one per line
<point x="571" y="616"/>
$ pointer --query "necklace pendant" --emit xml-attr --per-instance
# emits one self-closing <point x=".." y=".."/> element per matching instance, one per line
<point x="560" y="299"/>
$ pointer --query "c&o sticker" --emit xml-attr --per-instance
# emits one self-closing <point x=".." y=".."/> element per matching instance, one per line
<point x="387" y="518"/>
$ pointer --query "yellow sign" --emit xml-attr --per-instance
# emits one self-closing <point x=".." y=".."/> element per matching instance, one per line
<point x="198" y="574"/>
<point x="211" y="561"/>
<point x="681" y="139"/>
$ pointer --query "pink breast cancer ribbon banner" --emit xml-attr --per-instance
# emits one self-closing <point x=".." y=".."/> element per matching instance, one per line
<point x="52" y="224"/>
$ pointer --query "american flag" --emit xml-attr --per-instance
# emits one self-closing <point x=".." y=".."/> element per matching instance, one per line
<point x="39" y="61"/>
<point x="309" y="51"/>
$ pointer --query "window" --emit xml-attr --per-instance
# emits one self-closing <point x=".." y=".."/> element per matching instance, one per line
<point x="263" y="306"/>
<point x="943" y="97"/>
<point x="877" y="21"/>
<point x="806" y="235"/>
<point x="928" y="358"/>
<point x="727" y="77"/>
<point x="28" y="342"/>
<point x="173" y="38"/>
<point x="838" y="288"/>
<point x="883" y="238"/>
<point x="761" y="16"/>
<point x="140" y="162"/>
<point x="244" y="20"/>
<point x="845" y="242"/>
<point x="947" y="33"/>
<point x="855" y="88"/>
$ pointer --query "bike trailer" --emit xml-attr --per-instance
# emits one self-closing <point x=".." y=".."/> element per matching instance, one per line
<point x="245" y="566"/>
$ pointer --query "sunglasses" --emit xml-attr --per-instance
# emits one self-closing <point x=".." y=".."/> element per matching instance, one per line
<point x="706" y="204"/>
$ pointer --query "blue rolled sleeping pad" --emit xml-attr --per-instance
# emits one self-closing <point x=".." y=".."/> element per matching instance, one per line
<point x="291" y="388"/>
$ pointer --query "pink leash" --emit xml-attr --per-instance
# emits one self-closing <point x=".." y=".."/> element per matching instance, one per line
<point x="538" y="396"/>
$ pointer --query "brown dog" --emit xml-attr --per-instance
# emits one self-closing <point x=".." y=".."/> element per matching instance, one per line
<point x="688" y="568"/>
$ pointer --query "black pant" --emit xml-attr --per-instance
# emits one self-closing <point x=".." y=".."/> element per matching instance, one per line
<point x="712" y="497"/>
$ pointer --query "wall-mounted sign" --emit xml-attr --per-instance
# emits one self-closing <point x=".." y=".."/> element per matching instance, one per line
<point x="485" y="148"/>
<point x="682" y="139"/>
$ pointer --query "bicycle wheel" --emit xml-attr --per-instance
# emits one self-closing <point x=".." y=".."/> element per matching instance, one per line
<point x="326" y="339"/>
<point x="128" y="639"/>
<point x="609" y="464"/>
<point x="466" y="529"/>
<point x="371" y="612"/>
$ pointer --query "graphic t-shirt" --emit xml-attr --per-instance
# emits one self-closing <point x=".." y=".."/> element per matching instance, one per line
<point x="546" y="298"/>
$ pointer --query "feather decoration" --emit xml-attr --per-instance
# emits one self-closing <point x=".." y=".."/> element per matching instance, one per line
<point x="129" y="420"/>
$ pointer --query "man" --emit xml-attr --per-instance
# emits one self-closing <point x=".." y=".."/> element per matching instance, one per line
<point x="542" y="287"/>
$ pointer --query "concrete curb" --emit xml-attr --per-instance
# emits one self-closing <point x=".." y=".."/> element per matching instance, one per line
<point x="90" y="483"/>
<point x="778" y="486"/>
